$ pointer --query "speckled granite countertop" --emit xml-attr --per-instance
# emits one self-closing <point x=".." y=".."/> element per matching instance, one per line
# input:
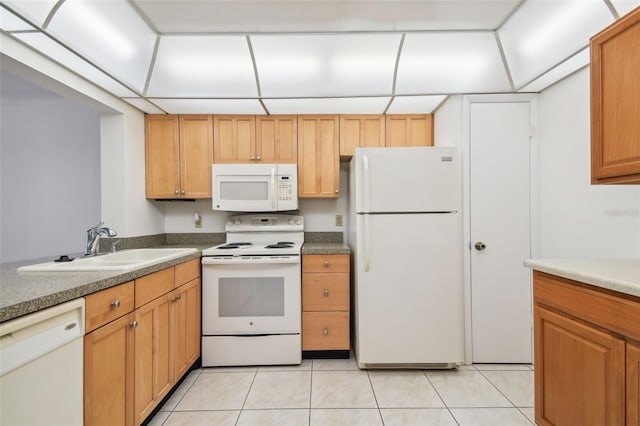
<point x="22" y="293"/>
<point x="621" y="275"/>
<point x="325" y="248"/>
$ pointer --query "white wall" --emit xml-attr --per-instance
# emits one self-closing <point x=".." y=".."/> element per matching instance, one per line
<point x="49" y="172"/>
<point x="448" y="123"/>
<point x="578" y="219"/>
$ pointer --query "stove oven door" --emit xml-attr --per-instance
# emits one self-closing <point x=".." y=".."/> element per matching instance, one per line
<point x="249" y="296"/>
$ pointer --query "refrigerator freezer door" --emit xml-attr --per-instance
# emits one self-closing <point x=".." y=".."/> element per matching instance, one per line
<point x="419" y="179"/>
<point x="408" y="289"/>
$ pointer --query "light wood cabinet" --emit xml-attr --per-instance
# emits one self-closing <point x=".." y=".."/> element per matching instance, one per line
<point x="318" y="156"/>
<point x="134" y="357"/>
<point x="276" y="139"/>
<point x="325" y="302"/>
<point x="358" y="131"/>
<point x="586" y="353"/>
<point x="178" y="156"/>
<point x="153" y="351"/>
<point x="409" y="130"/>
<point x="234" y="138"/>
<point x="109" y="374"/>
<point x="633" y="384"/>
<point x="615" y="102"/>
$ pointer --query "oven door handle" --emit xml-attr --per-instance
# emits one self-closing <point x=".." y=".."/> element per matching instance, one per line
<point x="249" y="261"/>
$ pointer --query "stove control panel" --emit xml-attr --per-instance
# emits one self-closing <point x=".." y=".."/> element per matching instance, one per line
<point x="265" y="222"/>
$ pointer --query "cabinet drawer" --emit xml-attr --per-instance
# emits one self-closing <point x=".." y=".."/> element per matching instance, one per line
<point x="187" y="271"/>
<point x="107" y="305"/>
<point x="325" y="263"/>
<point x="325" y="292"/>
<point x="325" y="331"/>
<point x="154" y="285"/>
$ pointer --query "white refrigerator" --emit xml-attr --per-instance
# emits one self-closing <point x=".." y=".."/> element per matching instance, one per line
<point x="405" y="233"/>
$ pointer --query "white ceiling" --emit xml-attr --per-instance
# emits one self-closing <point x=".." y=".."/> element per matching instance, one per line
<point x="303" y="56"/>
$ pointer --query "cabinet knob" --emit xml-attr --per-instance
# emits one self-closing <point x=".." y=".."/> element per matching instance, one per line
<point x="258" y="158"/>
<point x="182" y="192"/>
<point x="325" y="332"/>
<point x="336" y="191"/>
<point x="134" y="324"/>
<point x="252" y="158"/>
<point x="176" y="192"/>
<point x="175" y="299"/>
<point x="115" y="304"/>
<point x="325" y="263"/>
<point x="325" y="293"/>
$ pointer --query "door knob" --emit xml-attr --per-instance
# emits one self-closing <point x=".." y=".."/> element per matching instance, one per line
<point x="480" y="246"/>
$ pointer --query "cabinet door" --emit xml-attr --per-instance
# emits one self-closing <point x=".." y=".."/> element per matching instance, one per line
<point x="409" y="130"/>
<point x="277" y="139"/>
<point x="615" y="102"/>
<point x="162" y="156"/>
<point x="579" y="375"/>
<point x="318" y="156"/>
<point x="108" y="374"/>
<point x="186" y="326"/>
<point x="360" y="131"/>
<point x="196" y="155"/>
<point x="234" y="138"/>
<point x="633" y="385"/>
<point x="153" y="362"/>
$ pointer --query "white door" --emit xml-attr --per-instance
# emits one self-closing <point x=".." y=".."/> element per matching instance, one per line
<point x="501" y="307"/>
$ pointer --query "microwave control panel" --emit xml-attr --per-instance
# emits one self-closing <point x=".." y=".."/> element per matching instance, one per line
<point x="285" y="188"/>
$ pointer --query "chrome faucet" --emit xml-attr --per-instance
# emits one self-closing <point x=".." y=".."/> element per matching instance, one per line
<point x="92" y="238"/>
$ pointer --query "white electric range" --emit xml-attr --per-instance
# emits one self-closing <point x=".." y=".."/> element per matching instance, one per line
<point x="251" y="293"/>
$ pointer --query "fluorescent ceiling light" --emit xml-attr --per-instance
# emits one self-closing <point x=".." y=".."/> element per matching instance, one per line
<point x="414" y="104"/>
<point x="144" y="105"/>
<point x="465" y="62"/>
<point x="203" y="66"/>
<point x="55" y="51"/>
<point x="543" y="33"/>
<point x="625" y="6"/>
<point x="567" y="67"/>
<point x="36" y="10"/>
<point x="325" y="64"/>
<point x="10" y="22"/>
<point x="374" y="105"/>
<point x="209" y="106"/>
<point x="109" y="33"/>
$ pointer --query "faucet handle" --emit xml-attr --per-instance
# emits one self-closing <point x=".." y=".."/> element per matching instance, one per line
<point x="114" y="245"/>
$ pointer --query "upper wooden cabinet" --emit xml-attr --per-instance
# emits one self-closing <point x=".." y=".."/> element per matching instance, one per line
<point x="409" y="130"/>
<point x="276" y="139"/>
<point x="234" y="138"/>
<point x="318" y="156"/>
<point x="358" y="131"/>
<point x="178" y="154"/>
<point x="615" y="102"/>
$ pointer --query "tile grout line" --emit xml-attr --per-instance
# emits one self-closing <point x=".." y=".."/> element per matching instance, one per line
<point x="502" y="393"/>
<point x="440" y="396"/>
<point x="181" y="398"/>
<point x="246" y="396"/>
<point x="373" y="390"/>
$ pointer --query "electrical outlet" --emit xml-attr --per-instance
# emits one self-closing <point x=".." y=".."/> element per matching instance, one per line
<point x="197" y="220"/>
<point x="338" y="220"/>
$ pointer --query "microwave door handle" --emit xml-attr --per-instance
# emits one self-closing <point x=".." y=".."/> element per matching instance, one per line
<point x="273" y="188"/>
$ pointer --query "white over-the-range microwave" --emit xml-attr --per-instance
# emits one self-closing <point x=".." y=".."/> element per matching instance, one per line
<point x="255" y="187"/>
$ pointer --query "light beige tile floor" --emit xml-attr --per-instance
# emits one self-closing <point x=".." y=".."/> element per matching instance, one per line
<point x="336" y="392"/>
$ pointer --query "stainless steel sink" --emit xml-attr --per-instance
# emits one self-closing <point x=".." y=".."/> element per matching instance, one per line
<point x="124" y="260"/>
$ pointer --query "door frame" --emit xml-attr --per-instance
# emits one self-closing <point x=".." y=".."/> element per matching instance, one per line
<point x="534" y="225"/>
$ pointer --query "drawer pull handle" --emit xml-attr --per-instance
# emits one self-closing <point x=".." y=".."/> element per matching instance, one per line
<point x="325" y="331"/>
<point x="134" y="324"/>
<point x="115" y="304"/>
<point x="325" y="293"/>
<point x="175" y="299"/>
<point x="325" y="264"/>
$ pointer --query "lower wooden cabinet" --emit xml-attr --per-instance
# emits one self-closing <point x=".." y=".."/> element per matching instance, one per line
<point x="108" y="374"/>
<point x="587" y="354"/>
<point x="325" y="302"/>
<point x="132" y="362"/>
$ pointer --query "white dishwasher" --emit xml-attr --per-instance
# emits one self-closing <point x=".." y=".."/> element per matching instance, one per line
<point x="41" y="367"/>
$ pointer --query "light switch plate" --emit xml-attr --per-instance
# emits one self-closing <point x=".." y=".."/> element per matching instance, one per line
<point x="338" y="220"/>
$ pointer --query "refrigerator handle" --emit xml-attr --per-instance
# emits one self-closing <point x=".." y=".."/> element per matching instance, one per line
<point x="367" y="184"/>
<point x="367" y="249"/>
